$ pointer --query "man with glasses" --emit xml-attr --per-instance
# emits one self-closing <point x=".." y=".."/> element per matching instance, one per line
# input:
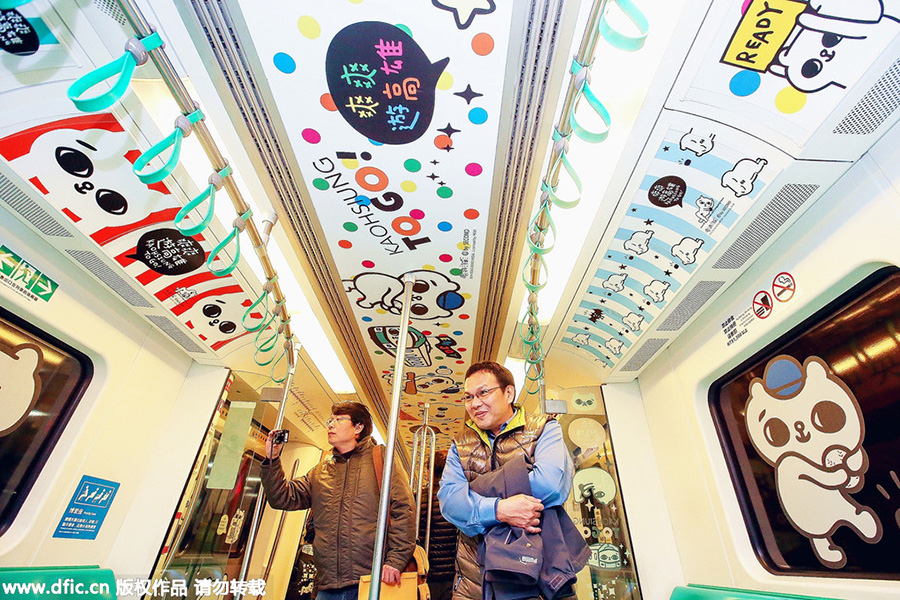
<point x="342" y="493"/>
<point x="496" y="433"/>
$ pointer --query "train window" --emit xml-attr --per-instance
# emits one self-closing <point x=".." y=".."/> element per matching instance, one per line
<point x="811" y="430"/>
<point x="41" y="381"/>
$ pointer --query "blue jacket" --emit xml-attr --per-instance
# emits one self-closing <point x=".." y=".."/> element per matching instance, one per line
<point x="518" y="563"/>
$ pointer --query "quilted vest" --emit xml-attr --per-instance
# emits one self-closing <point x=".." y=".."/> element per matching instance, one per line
<point x="477" y="457"/>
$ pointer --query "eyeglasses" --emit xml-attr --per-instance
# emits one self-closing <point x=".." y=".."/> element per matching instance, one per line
<point x="331" y="420"/>
<point x="480" y="394"/>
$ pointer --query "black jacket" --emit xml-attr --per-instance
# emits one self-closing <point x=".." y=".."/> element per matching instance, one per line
<point x="516" y="562"/>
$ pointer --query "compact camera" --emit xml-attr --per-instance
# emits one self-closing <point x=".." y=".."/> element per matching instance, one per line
<point x="280" y="436"/>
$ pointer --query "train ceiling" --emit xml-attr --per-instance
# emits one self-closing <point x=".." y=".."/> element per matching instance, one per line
<point x="394" y="137"/>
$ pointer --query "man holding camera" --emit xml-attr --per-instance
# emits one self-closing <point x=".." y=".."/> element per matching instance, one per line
<point x="343" y="493"/>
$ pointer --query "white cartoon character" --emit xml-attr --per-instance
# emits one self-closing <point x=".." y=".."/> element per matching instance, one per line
<point x="656" y="290"/>
<point x="639" y="242"/>
<point x="741" y="177"/>
<point x="614" y="346"/>
<point x="434" y="296"/>
<point x="805" y="422"/>
<point x="83" y="166"/>
<point x="215" y="315"/>
<point x="582" y="339"/>
<point x="696" y="143"/>
<point x="605" y="556"/>
<point x="633" y="321"/>
<point x="705" y="206"/>
<point x="20" y="384"/>
<point x="834" y="42"/>
<point x="615" y="282"/>
<point x="686" y="250"/>
<point x="593" y="483"/>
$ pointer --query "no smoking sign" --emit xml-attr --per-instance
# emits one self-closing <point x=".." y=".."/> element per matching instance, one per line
<point x="783" y="287"/>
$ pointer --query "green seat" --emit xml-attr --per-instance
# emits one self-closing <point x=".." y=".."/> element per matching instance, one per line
<point x="708" y="592"/>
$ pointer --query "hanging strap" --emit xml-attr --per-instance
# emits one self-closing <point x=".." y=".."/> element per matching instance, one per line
<point x="239" y="224"/>
<point x="561" y="160"/>
<point x="582" y="82"/>
<point x="183" y="126"/>
<point x="533" y="228"/>
<point x="281" y="356"/>
<point x="137" y="51"/>
<point x="216" y="181"/>
<point x="263" y="297"/>
<point x="9" y="4"/>
<point x="620" y="40"/>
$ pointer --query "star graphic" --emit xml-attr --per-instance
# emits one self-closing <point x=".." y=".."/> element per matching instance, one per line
<point x="432" y="177"/>
<point x="622" y="267"/>
<point x="448" y="148"/>
<point x="434" y="162"/>
<point x="468" y="94"/>
<point x="602" y="300"/>
<point x="668" y="273"/>
<point x="665" y="148"/>
<point x="441" y="183"/>
<point x="641" y="308"/>
<point x="449" y="130"/>
<point x="648" y="222"/>
<point x="633" y="210"/>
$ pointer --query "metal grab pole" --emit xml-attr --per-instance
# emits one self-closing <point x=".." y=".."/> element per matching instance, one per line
<point x="281" y="518"/>
<point x="403" y="334"/>
<point x="433" y="439"/>
<point x="260" y="501"/>
<point x="419" y="460"/>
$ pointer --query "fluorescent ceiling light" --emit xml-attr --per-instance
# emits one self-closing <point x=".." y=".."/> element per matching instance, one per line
<point x="160" y="104"/>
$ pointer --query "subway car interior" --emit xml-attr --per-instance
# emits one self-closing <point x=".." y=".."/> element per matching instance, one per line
<point x="219" y="218"/>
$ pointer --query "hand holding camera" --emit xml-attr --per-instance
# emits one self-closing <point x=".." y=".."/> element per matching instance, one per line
<point x="277" y="438"/>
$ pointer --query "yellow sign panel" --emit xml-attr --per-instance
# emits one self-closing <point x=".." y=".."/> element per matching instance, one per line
<point x="762" y="31"/>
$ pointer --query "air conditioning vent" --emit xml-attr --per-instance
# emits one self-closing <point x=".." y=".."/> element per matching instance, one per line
<point x="690" y="305"/>
<point x="98" y="268"/>
<point x="174" y="332"/>
<point x="650" y="347"/>
<point x="779" y="209"/>
<point x="876" y="106"/>
<point x="29" y="210"/>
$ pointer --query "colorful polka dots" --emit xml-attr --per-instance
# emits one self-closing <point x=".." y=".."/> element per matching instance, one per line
<point x="442" y="142"/>
<point x="346" y="244"/>
<point x="309" y="27"/>
<point x="444" y="192"/>
<point x="417" y="213"/>
<point x="408" y="186"/>
<point x="367" y="319"/>
<point x="445" y="258"/>
<point x="744" y="83"/>
<point x="473" y="169"/>
<point x="482" y="44"/>
<point x="412" y="165"/>
<point x="320" y="184"/>
<point x="456" y="272"/>
<point x="790" y="100"/>
<point x="471" y="214"/>
<point x="351" y="226"/>
<point x="478" y="116"/>
<point x="284" y="62"/>
<point x="445" y="81"/>
<point x="368" y="264"/>
<point x="404" y="28"/>
<point x="428" y="267"/>
<point x="327" y="102"/>
<point x="311" y="136"/>
<point x="445" y="226"/>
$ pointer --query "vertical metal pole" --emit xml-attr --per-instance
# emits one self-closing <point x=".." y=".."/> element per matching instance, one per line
<point x="403" y="334"/>
<point x="281" y="518"/>
<point x="417" y="439"/>
<point x="433" y="439"/>
<point x="420" y="462"/>
<point x="261" y="500"/>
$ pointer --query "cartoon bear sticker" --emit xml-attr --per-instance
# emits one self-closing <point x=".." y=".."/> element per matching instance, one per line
<point x="656" y="290"/>
<point x="582" y="339"/>
<point x="615" y="282"/>
<point x="614" y="346"/>
<point x="686" y="250"/>
<point x="20" y="384"/>
<point x="705" y="206"/>
<point x="804" y="421"/>
<point x="639" y="242"/>
<point x="633" y="321"/>
<point x="697" y="143"/>
<point x="742" y="176"/>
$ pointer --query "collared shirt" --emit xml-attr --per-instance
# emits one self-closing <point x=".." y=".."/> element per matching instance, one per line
<point x="551" y="483"/>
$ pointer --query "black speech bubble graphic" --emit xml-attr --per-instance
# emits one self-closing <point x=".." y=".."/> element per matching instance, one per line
<point x="381" y="81"/>
<point x="17" y="36"/>
<point x="667" y="191"/>
<point x="169" y="252"/>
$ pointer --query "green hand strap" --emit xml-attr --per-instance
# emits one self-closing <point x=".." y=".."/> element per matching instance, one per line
<point x="582" y="78"/>
<point x="620" y="40"/>
<point x="183" y="125"/>
<point x="534" y="228"/>
<point x="267" y="344"/>
<point x="239" y="224"/>
<point x="281" y="356"/>
<point x="551" y="191"/>
<point x="215" y="183"/>
<point x="9" y="4"/>
<point x="136" y="54"/>
<point x="263" y="298"/>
